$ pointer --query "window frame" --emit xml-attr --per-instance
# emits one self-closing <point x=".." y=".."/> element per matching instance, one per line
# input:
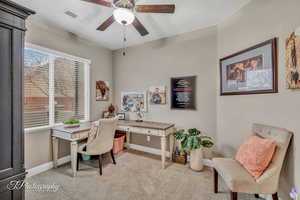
<point x="52" y="55"/>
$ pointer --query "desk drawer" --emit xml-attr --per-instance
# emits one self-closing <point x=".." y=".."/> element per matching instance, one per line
<point x="145" y="131"/>
<point x="124" y="128"/>
<point x="80" y="136"/>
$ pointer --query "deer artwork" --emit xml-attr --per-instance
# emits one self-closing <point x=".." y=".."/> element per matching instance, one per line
<point x="102" y="91"/>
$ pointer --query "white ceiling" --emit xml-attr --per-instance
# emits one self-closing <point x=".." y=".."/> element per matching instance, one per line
<point x="189" y="15"/>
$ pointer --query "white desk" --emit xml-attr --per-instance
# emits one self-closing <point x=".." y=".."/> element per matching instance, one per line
<point x="74" y="135"/>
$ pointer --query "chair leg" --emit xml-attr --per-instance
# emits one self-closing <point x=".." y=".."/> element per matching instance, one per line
<point x="112" y="156"/>
<point x="100" y="164"/>
<point x="78" y="158"/>
<point x="234" y="195"/>
<point x="216" y="181"/>
<point x="256" y="196"/>
<point x="275" y="196"/>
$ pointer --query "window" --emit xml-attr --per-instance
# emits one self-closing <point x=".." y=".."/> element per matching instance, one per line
<point x="56" y="87"/>
<point x="36" y="89"/>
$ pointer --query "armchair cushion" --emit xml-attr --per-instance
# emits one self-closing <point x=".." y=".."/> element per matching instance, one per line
<point x="256" y="154"/>
<point x="237" y="178"/>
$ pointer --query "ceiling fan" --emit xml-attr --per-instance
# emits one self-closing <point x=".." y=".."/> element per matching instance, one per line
<point x="124" y="13"/>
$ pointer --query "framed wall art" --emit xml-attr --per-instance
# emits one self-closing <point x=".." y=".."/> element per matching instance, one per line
<point x="292" y="60"/>
<point x="183" y="93"/>
<point x="157" y="95"/>
<point x="251" y="71"/>
<point x="102" y="91"/>
<point x="134" y="101"/>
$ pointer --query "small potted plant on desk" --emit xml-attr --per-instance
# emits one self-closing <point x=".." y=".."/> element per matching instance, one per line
<point x="71" y="123"/>
<point x="193" y="141"/>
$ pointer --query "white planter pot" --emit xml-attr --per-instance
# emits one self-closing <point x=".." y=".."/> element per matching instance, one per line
<point x="196" y="158"/>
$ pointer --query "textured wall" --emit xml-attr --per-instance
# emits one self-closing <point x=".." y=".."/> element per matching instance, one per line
<point x="154" y="63"/>
<point x="38" y="144"/>
<point x="255" y="23"/>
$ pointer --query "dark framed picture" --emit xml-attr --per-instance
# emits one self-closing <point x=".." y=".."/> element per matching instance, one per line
<point x="121" y="116"/>
<point x="251" y="71"/>
<point x="183" y="93"/>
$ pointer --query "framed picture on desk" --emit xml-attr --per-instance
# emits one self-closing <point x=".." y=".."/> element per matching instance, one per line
<point x="121" y="116"/>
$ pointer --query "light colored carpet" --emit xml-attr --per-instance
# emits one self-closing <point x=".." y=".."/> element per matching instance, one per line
<point x="137" y="176"/>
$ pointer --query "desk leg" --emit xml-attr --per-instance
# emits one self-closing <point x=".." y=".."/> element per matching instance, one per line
<point x="163" y="151"/>
<point x="128" y="139"/>
<point x="171" y="143"/>
<point x="55" y="151"/>
<point x="74" y="146"/>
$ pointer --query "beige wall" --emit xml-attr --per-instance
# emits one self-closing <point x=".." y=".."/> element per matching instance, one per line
<point x="227" y="119"/>
<point x="255" y="23"/>
<point x="154" y="63"/>
<point x="37" y="144"/>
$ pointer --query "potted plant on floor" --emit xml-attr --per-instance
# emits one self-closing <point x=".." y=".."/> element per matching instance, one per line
<point x="193" y="141"/>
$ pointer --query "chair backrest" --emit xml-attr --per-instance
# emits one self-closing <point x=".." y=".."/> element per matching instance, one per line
<point x="103" y="142"/>
<point x="93" y="131"/>
<point x="282" y="138"/>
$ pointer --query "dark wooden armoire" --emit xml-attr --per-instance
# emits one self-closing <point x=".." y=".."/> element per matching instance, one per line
<point x="12" y="30"/>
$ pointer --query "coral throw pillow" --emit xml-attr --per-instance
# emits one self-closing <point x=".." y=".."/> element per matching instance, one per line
<point x="256" y="154"/>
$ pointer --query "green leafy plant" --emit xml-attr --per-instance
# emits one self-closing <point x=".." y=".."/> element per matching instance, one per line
<point x="72" y="120"/>
<point x="193" y="139"/>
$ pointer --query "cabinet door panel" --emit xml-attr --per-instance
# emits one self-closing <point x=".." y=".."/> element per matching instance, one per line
<point x="5" y="102"/>
<point x="11" y="129"/>
<point x="17" y="101"/>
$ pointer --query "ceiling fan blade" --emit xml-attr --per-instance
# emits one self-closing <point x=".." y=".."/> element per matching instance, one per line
<point x="100" y="2"/>
<point x="155" y="8"/>
<point x="140" y="27"/>
<point x="106" y="24"/>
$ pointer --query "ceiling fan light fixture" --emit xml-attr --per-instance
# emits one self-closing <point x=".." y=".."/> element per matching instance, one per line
<point x="123" y="16"/>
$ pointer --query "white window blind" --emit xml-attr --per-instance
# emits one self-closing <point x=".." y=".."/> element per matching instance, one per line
<point x="56" y="88"/>
<point x="69" y="89"/>
<point x="36" y="89"/>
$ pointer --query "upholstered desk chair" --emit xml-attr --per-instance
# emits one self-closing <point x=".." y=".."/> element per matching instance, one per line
<point x="237" y="177"/>
<point x="100" y="140"/>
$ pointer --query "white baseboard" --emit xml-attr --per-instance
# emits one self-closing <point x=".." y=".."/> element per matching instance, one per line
<point x="206" y="162"/>
<point x="46" y="166"/>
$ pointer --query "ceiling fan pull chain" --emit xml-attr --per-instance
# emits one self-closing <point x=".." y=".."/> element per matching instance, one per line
<point x="124" y="40"/>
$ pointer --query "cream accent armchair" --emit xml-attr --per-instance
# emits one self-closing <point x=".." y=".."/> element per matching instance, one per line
<point x="100" y="140"/>
<point x="237" y="177"/>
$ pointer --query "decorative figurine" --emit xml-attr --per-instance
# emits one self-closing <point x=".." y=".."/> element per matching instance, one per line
<point x="111" y="110"/>
<point x="139" y="113"/>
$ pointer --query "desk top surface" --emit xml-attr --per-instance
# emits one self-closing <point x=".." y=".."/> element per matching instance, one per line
<point x="145" y="124"/>
<point x="87" y="125"/>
